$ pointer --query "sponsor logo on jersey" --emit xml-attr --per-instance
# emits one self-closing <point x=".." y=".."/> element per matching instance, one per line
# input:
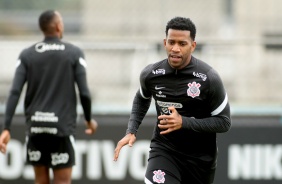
<point x="193" y="89"/>
<point x="61" y="158"/>
<point x="158" y="71"/>
<point x="158" y="88"/>
<point x="165" y="110"/>
<point x="41" y="130"/>
<point x="160" y="94"/>
<point x="34" y="155"/>
<point x="159" y="176"/>
<point x="169" y="104"/>
<point x="44" y="117"/>
<point x="200" y="75"/>
<point x="42" y="47"/>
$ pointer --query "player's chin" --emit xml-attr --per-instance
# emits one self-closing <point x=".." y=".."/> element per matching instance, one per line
<point x="175" y="64"/>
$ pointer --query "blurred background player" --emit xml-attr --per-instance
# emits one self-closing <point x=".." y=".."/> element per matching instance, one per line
<point x="51" y="69"/>
<point x="192" y="106"/>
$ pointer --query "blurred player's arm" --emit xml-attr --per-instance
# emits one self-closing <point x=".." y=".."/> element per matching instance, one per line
<point x="15" y="93"/>
<point x="84" y="94"/>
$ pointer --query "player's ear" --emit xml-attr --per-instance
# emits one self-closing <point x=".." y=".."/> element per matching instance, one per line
<point x="165" y="42"/>
<point x="194" y="44"/>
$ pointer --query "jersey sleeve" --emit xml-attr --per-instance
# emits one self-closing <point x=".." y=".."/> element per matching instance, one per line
<point x="219" y="120"/>
<point x="15" y="93"/>
<point x="141" y="104"/>
<point x="81" y="81"/>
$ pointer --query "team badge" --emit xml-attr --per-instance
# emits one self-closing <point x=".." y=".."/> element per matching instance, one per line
<point x="193" y="89"/>
<point x="159" y="176"/>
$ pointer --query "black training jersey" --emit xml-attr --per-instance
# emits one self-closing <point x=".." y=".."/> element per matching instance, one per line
<point x="50" y="68"/>
<point x="198" y="95"/>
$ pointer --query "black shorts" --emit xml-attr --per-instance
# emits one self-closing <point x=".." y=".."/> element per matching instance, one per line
<point x="166" y="167"/>
<point x="51" y="151"/>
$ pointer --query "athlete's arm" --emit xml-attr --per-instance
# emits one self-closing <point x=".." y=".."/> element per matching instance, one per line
<point x="81" y="81"/>
<point x="15" y="93"/>
<point x="220" y="120"/>
<point x="139" y="109"/>
<point x="141" y="104"/>
<point x="218" y="124"/>
<point x="84" y="92"/>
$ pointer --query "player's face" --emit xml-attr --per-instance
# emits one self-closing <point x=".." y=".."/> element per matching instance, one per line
<point x="179" y="47"/>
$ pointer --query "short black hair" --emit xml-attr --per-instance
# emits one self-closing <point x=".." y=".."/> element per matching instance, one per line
<point x="182" y="23"/>
<point x="45" y="19"/>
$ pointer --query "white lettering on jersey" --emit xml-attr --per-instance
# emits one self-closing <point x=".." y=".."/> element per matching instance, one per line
<point x="44" y="117"/>
<point x="61" y="158"/>
<point x="158" y="71"/>
<point x="169" y="104"/>
<point x="82" y="62"/>
<point x="159" y="94"/>
<point x="34" y="155"/>
<point x="42" y="47"/>
<point x="200" y="75"/>
<point x="40" y="130"/>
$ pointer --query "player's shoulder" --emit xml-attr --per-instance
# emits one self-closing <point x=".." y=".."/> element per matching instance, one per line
<point x="27" y="51"/>
<point x="70" y="45"/>
<point x="203" y="67"/>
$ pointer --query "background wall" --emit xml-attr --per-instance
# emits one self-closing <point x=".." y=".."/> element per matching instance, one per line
<point x="241" y="40"/>
<point x="250" y="153"/>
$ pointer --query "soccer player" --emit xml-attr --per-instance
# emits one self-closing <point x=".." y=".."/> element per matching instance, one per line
<point x="192" y="106"/>
<point x="51" y="68"/>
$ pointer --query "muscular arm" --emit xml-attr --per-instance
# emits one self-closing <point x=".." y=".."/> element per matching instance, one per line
<point x="15" y="93"/>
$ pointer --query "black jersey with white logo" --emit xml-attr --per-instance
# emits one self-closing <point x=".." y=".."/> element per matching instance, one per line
<point x="198" y="95"/>
<point x="50" y="69"/>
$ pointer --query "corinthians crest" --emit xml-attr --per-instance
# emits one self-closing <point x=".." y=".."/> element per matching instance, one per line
<point x="193" y="89"/>
<point x="159" y="176"/>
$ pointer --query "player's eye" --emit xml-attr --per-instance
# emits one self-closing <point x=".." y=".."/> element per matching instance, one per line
<point x="171" y="42"/>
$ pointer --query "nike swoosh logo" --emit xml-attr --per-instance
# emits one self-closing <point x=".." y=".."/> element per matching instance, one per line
<point x="157" y="88"/>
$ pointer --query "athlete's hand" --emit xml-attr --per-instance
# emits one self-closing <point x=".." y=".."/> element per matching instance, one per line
<point x="169" y="123"/>
<point x="91" y="127"/>
<point x="4" y="139"/>
<point x="128" y="139"/>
